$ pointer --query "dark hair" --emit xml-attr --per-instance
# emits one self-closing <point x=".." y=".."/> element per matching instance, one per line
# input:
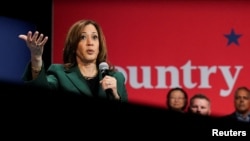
<point x="177" y="89"/>
<point x="73" y="38"/>
<point x="241" y="88"/>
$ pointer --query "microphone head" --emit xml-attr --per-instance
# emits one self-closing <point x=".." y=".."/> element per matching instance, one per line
<point x="103" y="66"/>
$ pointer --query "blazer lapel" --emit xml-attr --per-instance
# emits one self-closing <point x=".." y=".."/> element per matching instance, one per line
<point x="80" y="83"/>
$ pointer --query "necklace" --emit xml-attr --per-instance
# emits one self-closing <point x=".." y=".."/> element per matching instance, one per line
<point x="91" y="75"/>
<point x="88" y="78"/>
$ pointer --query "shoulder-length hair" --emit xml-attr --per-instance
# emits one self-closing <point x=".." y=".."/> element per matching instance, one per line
<point x="73" y="38"/>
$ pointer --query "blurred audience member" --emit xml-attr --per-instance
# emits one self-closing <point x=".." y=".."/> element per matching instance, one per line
<point x="200" y="104"/>
<point x="241" y="105"/>
<point x="177" y="99"/>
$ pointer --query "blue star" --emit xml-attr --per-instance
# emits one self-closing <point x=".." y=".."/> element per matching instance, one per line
<point x="232" y="37"/>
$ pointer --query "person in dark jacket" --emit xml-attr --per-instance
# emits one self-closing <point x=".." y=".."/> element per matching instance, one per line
<point x="85" y="48"/>
<point x="241" y="105"/>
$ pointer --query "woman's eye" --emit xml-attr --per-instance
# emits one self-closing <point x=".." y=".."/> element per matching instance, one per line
<point x="82" y="37"/>
<point x="95" y="37"/>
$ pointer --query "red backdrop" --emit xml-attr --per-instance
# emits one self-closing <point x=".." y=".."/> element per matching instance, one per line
<point x="202" y="47"/>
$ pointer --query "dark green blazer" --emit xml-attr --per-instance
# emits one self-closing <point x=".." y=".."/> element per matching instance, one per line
<point x="71" y="81"/>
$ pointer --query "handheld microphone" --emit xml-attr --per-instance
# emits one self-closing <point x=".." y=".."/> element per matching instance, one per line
<point x="104" y="69"/>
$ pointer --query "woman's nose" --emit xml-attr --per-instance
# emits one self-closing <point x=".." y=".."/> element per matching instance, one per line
<point x="89" y="41"/>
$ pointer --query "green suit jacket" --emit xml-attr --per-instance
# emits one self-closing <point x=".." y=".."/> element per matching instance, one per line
<point x="71" y="81"/>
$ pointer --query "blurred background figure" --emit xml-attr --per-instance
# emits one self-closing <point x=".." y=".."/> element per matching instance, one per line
<point x="241" y="105"/>
<point x="177" y="99"/>
<point x="200" y="104"/>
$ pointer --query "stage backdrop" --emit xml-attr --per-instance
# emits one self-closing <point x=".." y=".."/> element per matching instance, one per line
<point x="201" y="46"/>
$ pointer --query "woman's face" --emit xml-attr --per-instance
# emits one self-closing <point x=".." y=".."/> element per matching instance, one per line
<point x="177" y="100"/>
<point x="88" y="47"/>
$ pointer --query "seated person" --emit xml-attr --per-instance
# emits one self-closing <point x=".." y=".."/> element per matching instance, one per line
<point x="241" y="105"/>
<point x="177" y="99"/>
<point x="200" y="104"/>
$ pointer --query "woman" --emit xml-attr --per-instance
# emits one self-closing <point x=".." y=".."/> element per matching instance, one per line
<point x="177" y="99"/>
<point x="84" y="50"/>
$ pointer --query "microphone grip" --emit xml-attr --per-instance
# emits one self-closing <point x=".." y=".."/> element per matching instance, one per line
<point x="109" y="93"/>
<point x="104" y="72"/>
